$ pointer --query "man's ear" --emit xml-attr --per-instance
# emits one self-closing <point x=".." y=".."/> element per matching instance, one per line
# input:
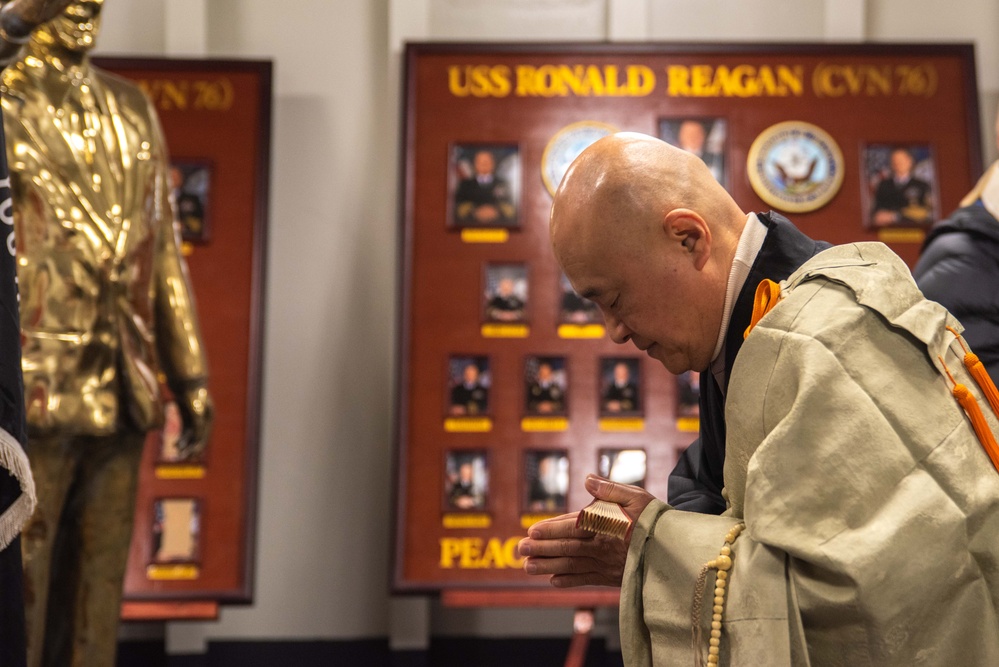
<point x="690" y="230"/>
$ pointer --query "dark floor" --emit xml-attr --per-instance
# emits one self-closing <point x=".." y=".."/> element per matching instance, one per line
<point x="443" y="652"/>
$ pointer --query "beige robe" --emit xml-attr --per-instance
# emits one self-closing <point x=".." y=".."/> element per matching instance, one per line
<point x="871" y="508"/>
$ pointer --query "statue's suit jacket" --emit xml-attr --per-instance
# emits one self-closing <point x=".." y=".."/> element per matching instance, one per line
<point x="107" y="314"/>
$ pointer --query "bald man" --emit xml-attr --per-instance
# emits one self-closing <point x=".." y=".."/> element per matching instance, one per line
<point x="860" y="506"/>
<point x="768" y="245"/>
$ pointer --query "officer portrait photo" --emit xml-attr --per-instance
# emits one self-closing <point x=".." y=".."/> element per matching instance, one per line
<point x="620" y="389"/>
<point x="576" y="309"/>
<point x="505" y="294"/>
<point x="468" y="386"/>
<point x="547" y="480"/>
<point x="704" y="137"/>
<point x="485" y="182"/>
<point x="625" y="466"/>
<point x="688" y="394"/>
<point x="176" y="530"/>
<point x="545" y="385"/>
<point x="900" y="186"/>
<point x="466" y="479"/>
<point x="190" y="187"/>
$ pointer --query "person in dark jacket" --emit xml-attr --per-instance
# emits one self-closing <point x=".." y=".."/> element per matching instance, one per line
<point x="959" y="266"/>
<point x="959" y="269"/>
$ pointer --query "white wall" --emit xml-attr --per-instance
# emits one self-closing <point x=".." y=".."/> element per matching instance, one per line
<point x="133" y="27"/>
<point x="323" y="532"/>
<point x="523" y="20"/>
<point x="325" y="489"/>
<point x="325" y="465"/>
<point x="325" y="479"/>
<point x="738" y="20"/>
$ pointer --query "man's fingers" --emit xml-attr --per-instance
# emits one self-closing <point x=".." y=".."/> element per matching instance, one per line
<point x="622" y="494"/>
<point x="559" y="527"/>
<point x="556" y="548"/>
<point x="574" y="565"/>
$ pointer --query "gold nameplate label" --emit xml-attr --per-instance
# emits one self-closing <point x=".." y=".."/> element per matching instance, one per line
<point x="538" y="424"/>
<point x="176" y="572"/>
<point x="581" y="331"/>
<point x="485" y="235"/>
<point x="697" y="80"/>
<point x="207" y="94"/>
<point x="622" y="424"/>
<point x="688" y="424"/>
<point x="476" y="553"/>
<point x="466" y="521"/>
<point x="468" y="424"/>
<point x="180" y="472"/>
<point x="908" y="235"/>
<point x="505" y="331"/>
<point x="528" y="520"/>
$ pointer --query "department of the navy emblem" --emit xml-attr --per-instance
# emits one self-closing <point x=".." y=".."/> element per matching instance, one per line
<point x="795" y="166"/>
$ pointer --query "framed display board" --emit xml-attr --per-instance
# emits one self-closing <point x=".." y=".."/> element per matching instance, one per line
<point x="194" y="519"/>
<point x="509" y="390"/>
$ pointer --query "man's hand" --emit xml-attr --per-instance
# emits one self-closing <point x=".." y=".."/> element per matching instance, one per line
<point x="198" y="413"/>
<point x="577" y="557"/>
<point x="19" y="18"/>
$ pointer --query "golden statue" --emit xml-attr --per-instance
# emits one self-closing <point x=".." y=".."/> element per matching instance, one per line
<point x="107" y="319"/>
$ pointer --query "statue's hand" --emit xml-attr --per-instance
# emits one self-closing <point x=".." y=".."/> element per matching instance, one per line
<point x="197" y="413"/>
<point x="19" y="18"/>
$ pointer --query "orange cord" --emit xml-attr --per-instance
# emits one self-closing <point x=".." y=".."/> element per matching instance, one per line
<point x="767" y="295"/>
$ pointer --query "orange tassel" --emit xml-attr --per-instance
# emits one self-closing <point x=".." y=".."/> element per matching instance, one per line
<point x="970" y="405"/>
<point x="981" y="376"/>
<point x="767" y="295"/>
<point x="988" y="387"/>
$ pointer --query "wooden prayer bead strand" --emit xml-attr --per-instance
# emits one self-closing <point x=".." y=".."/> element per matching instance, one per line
<point x="723" y="564"/>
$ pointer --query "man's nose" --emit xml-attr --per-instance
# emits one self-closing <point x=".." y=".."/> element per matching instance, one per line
<point x="619" y="333"/>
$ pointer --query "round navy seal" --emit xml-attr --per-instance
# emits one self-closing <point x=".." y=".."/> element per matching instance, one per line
<point x="795" y="166"/>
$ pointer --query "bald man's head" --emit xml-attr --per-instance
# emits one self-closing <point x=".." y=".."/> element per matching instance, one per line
<point x="635" y="174"/>
<point x="645" y="230"/>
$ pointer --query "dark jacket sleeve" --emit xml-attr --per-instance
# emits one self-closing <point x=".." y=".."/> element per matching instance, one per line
<point x="694" y="482"/>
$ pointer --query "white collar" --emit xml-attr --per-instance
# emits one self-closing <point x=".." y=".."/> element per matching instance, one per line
<point x="750" y="242"/>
